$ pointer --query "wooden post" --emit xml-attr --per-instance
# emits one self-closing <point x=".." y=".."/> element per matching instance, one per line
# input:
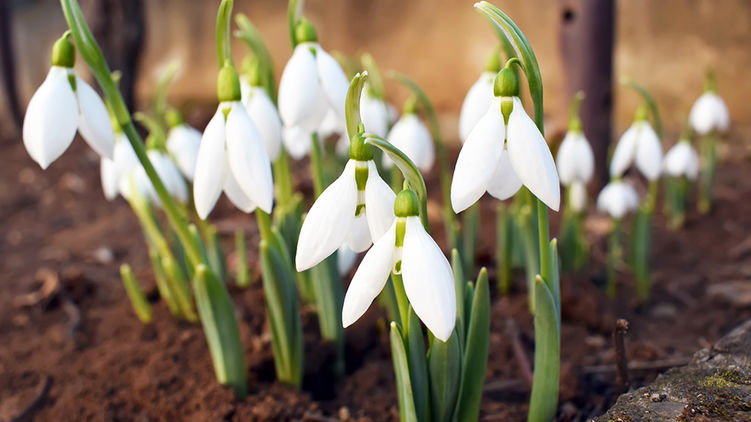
<point x="587" y="29"/>
<point x="8" y="64"/>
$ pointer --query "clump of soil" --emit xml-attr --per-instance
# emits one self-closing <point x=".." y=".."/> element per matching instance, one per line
<point x="74" y="350"/>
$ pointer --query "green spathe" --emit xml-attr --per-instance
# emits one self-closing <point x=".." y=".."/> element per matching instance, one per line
<point x="406" y="204"/>
<point x="63" y="52"/>
<point x="228" y="84"/>
<point x="305" y="32"/>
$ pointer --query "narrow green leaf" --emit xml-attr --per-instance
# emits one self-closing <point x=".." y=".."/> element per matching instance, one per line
<point x="329" y="296"/>
<point x="220" y="327"/>
<point x="160" y="94"/>
<point x="445" y="363"/>
<point x="642" y="236"/>
<point x="141" y="306"/>
<point x="475" y="360"/>
<point x="242" y="271"/>
<point x="543" y="402"/>
<point x="352" y="103"/>
<point x="418" y="366"/>
<point x="374" y="73"/>
<point x="252" y="37"/>
<point x="179" y="286"/>
<point x="503" y="232"/>
<point x="459" y="283"/>
<point x="651" y="104"/>
<point x="409" y="171"/>
<point x="293" y="14"/>
<point x="471" y="225"/>
<point x="223" y="38"/>
<point x="407" y="411"/>
<point x="553" y="281"/>
<point x="164" y="288"/>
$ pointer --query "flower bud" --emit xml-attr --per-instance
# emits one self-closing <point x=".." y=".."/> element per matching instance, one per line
<point x="63" y="52"/>
<point x="506" y="83"/>
<point x="359" y="150"/>
<point x="228" y="84"/>
<point x="305" y="32"/>
<point x="406" y="204"/>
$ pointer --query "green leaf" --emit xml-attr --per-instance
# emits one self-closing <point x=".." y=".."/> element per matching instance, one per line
<point x="418" y="366"/>
<point x="222" y="332"/>
<point x="651" y="104"/>
<point x="401" y="370"/>
<point x="329" y="296"/>
<point x="523" y="51"/>
<point x="471" y="224"/>
<point x="459" y="283"/>
<point x="252" y="37"/>
<point x="409" y="171"/>
<point x="445" y="363"/>
<point x="223" y="38"/>
<point x="160" y="94"/>
<point x="543" y="402"/>
<point x="503" y="231"/>
<point x="242" y="273"/>
<point x="164" y="288"/>
<point x="642" y="236"/>
<point x="475" y="360"/>
<point x="553" y="281"/>
<point x="138" y="300"/>
<point x="352" y="103"/>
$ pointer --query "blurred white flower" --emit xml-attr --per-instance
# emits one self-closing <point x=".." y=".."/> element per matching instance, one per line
<point x="115" y="172"/>
<point x="374" y="113"/>
<point x="476" y="103"/>
<point x="183" y="142"/>
<point x="709" y="113"/>
<point x="346" y="258"/>
<point x="575" y="160"/>
<point x="639" y="144"/>
<point x="265" y="116"/>
<point x="617" y="198"/>
<point x="410" y="135"/>
<point x="168" y="173"/>
<point x="682" y="160"/>
<point x="577" y="196"/>
<point x="232" y="158"/>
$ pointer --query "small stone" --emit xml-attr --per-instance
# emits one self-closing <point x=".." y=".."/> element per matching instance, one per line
<point x="664" y="311"/>
<point x="104" y="255"/>
<point x="657" y="397"/>
<point x="735" y="293"/>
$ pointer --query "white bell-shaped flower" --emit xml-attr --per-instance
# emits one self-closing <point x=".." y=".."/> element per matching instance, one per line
<point x="264" y="114"/>
<point x="412" y="137"/>
<point x="168" y="173"/>
<point x="577" y="196"/>
<point x="476" y="103"/>
<point x="617" y="198"/>
<point x="406" y="249"/>
<point x="62" y="105"/>
<point x="115" y="172"/>
<point x="575" y="160"/>
<point x="682" y="160"/>
<point x="500" y="158"/>
<point x="639" y="144"/>
<point x="374" y="113"/>
<point x="709" y="113"/>
<point x="183" y="142"/>
<point x="355" y="209"/>
<point x="232" y="156"/>
<point x="345" y="259"/>
<point x="312" y="83"/>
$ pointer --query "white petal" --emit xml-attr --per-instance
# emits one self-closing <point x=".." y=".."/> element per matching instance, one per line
<point x="183" y="142"/>
<point x="266" y="119"/>
<point x="531" y="158"/>
<point x="575" y="160"/>
<point x="171" y="176"/>
<point x="379" y="203"/>
<point x="369" y="278"/>
<point x="586" y="168"/>
<point x="677" y="159"/>
<point x="51" y="118"/>
<point x="478" y="159"/>
<point x="108" y="173"/>
<point x="428" y="280"/>
<point x="504" y="183"/>
<point x="333" y="81"/>
<point x="624" y="152"/>
<point x="411" y="136"/>
<point x="236" y="195"/>
<point x="211" y="166"/>
<point x="577" y="196"/>
<point x="94" y="123"/>
<point x="709" y="113"/>
<point x="358" y="237"/>
<point x="328" y="222"/>
<point x="374" y="114"/>
<point x="247" y="158"/>
<point x="648" y="152"/>
<point x="476" y="103"/>
<point x="617" y="198"/>
<point x="297" y="142"/>
<point x="692" y="172"/>
<point x="345" y="259"/>
<point x="298" y="87"/>
<point x="331" y="124"/>
<point x="126" y="163"/>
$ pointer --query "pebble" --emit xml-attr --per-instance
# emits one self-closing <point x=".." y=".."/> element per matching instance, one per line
<point x="736" y="293"/>
<point x="104" y="255"/>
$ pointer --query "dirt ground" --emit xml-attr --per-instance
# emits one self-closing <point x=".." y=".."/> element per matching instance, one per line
<point x="80" y="353"/>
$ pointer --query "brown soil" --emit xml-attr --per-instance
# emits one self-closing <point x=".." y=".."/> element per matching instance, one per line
<point x="99" y="362"/>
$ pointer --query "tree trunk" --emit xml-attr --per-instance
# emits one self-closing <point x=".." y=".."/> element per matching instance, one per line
<point x="8" y="64"/>
<point x="586" y="43"/>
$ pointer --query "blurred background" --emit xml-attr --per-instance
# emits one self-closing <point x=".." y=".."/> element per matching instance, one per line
<point x="666" y="46"/>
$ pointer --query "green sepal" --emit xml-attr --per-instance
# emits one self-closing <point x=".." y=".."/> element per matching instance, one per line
<point x="445" y="364"/>
<point x="160" y="94"/>
<point x="475" y="357"/>
<point x="141" y="305"/>
<point x="222" y="332"/>
<point x="493" y="62"/>
<point x="407" y="411"/>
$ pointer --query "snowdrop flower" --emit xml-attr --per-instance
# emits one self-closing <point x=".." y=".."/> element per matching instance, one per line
<point x="479" y="97"/>
<point x="311" y="84"/>
<point x="406" y="249"/>
<point x="709" y="113"/>
<point x="262" y="111"/>
<point x="410" y="135"/>
<point x="639" y="144"/>
<point x="183" y="142"/>
<point x="682" y="160"/>
<point x="232" y="157"/>
<point x="346" y="258"/>
<point x="575" y="163"/>
<point x="617" y="199"/>
<point x="62" y="105"/>
<point x="116" y="172"/>
<point x="168" y="173"/>
<point x="355" y="209"/>
<point x="503" y="151"/>
<point x="374" y="113"/>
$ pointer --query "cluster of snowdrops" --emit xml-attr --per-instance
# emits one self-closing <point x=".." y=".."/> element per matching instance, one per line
<point x="369" y="196"/>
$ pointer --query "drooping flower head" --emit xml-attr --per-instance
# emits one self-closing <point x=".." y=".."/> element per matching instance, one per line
<point x="479" y="97"/>
<point x="406" y="249"/>
<point x="374" y="112"/>
<point x="62" y="105"/>
<point x="575" y="160"/>
<point x="261" y="110"/>
<point x="617" y="199"/>
<point x="164" y="164"/>
<point x="682" y="160"/>
<point x="412" y="137"/>
<point x="354" y="210"/>
<point x="709" y="112"/>
<point x="232" y="156"/>
<point x="503" y="151"/>
<point x="117" y="172"/>
<point x="183" y="142"/>
<point x="312" y="83"/>
<point x="638" y="145"/>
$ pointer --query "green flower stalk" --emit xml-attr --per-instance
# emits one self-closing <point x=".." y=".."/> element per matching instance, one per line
<point x="141" y="305"/>
<point x="616" y="199"/>
<point x="681" y="169"/>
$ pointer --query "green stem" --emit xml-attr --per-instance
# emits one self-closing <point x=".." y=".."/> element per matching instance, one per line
<point x="543" y="233"/>
<point x="401" y="300"/>
<point x="708" y="149"/>
<point x="615" y="256"/>
<point x="283" y="178"/>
